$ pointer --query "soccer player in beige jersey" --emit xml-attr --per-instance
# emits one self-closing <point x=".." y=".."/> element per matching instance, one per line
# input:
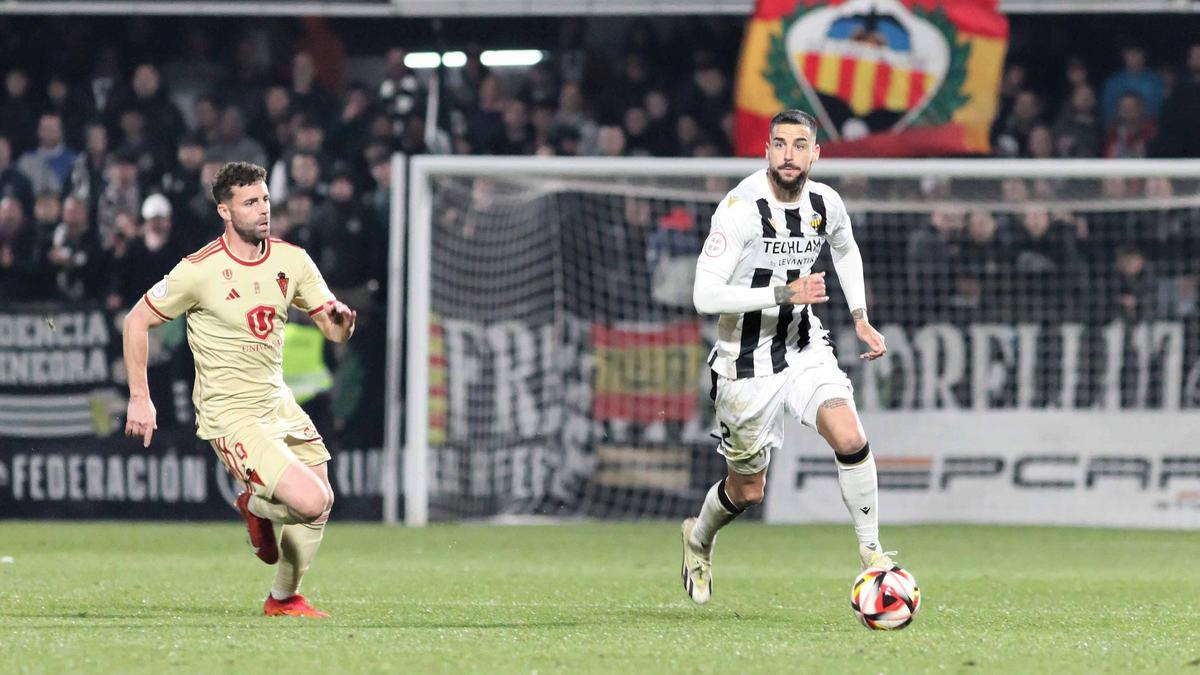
<point x="236" y="292"/>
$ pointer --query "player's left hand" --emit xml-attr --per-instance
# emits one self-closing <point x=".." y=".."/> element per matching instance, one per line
<point x="341" y="314"/>
<point x="876" y="345"/>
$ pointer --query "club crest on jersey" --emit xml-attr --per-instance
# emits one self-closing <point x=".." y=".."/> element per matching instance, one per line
<point x="228" y="274"/>
<point x="815" y="222"/>
<point x="282" y="280"/>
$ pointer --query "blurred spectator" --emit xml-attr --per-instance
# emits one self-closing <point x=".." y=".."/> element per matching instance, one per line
<point x="573" y="114"/>
<point x="74" y="110"/>
<point x="87" y="176"/>
<point x="1131" y="132"/>
<point x="931" y="257"/>
<point x="1135" y="79"/>
<point x="353" y="125"/>
<point x="661" y="123"/>
<point x="13" y="183"/>
<point x="379" y="198"/>
<point x="1077" y="73"/>
<point x="104" y="85"/>
<point x="706" y="97"/>
<point x="610" y="142"/>
<point x="273" y="126"/>
<point x="232" y="144"/>
<point x="179" y="185"/>
<point x="1129" y="286"/>
<point x="1177" y="136"/>
<point x="1041" y="143"/>
<point x="516" y="137"/>
<point x="1045" y="264"/>
<point x="307" y="94"/>
<point x="121" y="197"/>
<point x="47" y="212"/>
<point x="1077" y="131"/>
<point x="1012" y="82"/>
<point x="147" y="257"/>
<point x="300" y="229"/>
<point x="49" y="165"/>
<point x="1011" y="133"/>
<point x="77" y="262"/>
<point x="18" y="113"/>
<point x="984" y="267"/>
<point x="202" y="211"/>
<point x="148" y="155"/>
<point x="401" y="92"/>
<point x="354" y="251"/>
<point x="304" y="175"/>
<point x="18" y="266"/>
<point x="163" y="121"/>
<point x="637" y="132"/>
<point x="207" y="119"/>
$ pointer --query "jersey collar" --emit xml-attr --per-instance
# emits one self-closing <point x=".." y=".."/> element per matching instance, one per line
<point x="248" y="263"/>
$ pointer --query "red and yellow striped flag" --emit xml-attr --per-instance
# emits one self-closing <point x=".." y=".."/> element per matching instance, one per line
<point x="647" y="373"/>
<point x="885" y="78"/>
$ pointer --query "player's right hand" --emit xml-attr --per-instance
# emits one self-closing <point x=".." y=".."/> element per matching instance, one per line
<point x="809" y="290"/>
<point x="140" y="419"/>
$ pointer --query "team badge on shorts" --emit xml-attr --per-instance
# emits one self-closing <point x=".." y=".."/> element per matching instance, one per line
<point x="282" y="280"/>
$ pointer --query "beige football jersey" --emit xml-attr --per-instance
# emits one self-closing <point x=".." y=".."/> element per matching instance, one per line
<point x="236" y="312"/>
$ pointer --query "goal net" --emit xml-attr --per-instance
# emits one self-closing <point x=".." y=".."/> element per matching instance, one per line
<point x="556" y="364"/>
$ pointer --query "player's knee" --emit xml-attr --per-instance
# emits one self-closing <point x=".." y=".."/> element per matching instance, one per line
<point x="848" y="442"/>
<point x="747" y="494"/>
<point x="752" y="494"/>
<point x="313" y="503"/>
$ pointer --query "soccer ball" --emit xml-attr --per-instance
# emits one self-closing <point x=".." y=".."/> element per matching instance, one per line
<point x="885" y="598"/>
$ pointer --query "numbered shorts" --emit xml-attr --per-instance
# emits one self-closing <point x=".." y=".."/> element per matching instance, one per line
<point x="750" y="411"/>
<point x="258" y="452"/>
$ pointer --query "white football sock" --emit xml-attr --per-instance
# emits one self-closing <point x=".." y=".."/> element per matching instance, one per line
<point x="717" y="512"/>
<point x="860" y="492"/>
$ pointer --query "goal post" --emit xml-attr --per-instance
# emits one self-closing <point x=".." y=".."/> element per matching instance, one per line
<point x="554" y="366"/>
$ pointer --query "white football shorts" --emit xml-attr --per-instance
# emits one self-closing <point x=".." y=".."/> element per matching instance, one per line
<point x="749" y="410"/>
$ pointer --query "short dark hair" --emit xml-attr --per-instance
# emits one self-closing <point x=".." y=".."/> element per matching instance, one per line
<point x="793" y="116"/>
<point x="236" y="174"/>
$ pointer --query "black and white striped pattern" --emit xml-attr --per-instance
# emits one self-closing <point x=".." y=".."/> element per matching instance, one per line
<point x="785" y="243"/>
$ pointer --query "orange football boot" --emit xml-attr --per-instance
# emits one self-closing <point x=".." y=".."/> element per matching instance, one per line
<point x="296" y="605"/>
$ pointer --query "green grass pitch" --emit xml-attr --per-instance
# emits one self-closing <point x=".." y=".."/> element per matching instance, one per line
<point x="594" y="598"/>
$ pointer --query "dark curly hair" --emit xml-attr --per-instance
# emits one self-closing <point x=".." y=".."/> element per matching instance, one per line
<point x="236" y="174"/>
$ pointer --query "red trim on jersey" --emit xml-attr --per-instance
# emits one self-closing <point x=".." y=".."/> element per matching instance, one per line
<point x="154" y="309"/>
<point x="266" y="254"/>
<point x="213" y="247"/>
<point x="277" y="240"/>
<point x="313" y="312"/>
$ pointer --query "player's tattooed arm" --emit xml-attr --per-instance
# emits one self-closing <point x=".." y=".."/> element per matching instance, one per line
<point x="783" y="295"/>
<point x="859" y="314"/>
<point x="834" y="403"/>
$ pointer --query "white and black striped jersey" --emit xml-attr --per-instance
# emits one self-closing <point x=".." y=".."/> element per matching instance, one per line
<point x="758" y="242"/>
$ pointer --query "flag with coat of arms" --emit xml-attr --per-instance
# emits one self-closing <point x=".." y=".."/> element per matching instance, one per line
<point x="884" y="78"/>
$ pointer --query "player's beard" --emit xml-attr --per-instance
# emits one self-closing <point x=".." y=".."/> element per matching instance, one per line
<point x="789" y="189"/>
<point x="249" y="232"/>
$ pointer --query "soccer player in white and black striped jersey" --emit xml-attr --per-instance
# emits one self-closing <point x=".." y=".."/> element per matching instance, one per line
<point x="772" y="357"/>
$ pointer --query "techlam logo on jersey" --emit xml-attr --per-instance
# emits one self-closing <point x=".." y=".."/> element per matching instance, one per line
<point x="261" y="320"/>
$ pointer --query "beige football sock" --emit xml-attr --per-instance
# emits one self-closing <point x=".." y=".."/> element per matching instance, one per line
<point x="297" y="547"/>
<point x="274" y="511"/>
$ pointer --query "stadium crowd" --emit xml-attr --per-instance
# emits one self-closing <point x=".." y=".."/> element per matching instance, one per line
<point x="105" y="167"/>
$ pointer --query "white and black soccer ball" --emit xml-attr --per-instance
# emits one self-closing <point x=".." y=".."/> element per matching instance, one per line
<point x="885" y="598"/>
